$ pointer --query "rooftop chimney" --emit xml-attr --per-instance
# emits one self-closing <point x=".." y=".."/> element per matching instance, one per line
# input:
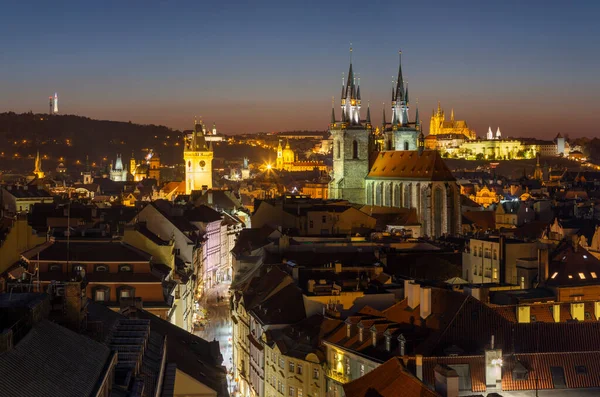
<point x="446" y="381"/>
<point x="543" y="263"/>
<point x="414" y="295"/>
<point x="425" y="297"/>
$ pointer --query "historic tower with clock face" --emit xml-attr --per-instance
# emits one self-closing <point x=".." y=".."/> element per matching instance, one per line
<point x="198" y="158"/>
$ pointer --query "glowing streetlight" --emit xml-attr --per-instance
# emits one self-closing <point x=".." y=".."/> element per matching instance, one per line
<point x="269" y="166"/>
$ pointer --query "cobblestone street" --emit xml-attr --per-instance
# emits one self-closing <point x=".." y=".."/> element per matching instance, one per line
<point x="219" y="326"/>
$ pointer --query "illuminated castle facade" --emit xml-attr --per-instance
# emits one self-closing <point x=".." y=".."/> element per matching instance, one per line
<point x="198" y="156"/>
<point x="397" y="172"/>
<point x="440" y="126"/>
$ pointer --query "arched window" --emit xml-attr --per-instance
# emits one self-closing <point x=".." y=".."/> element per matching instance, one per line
<point x="354" y="150"/>
<point x="189" y="164"/>
<point x="405" y="145"/>
<point x="338" y="150"/>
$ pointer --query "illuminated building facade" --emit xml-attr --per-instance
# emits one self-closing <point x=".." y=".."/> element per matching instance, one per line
<point x="286" y="161"/>
<point x="118" y="173"/>
<point x="440" y="126"/>
<point x="198" y="157"/>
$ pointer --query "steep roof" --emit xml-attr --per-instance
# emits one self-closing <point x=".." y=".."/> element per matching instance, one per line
<point x="93" y="252"/>
<point x="390" y="379"/>
<point x="408" y="164"/>
<point x="202" y="213"/>
<point x="61" y="362"/>
<point x="193" y="355"/>
<point x="573" y="266"/>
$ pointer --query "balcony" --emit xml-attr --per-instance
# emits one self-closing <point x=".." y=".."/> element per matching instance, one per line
<point x="336" y="376"/>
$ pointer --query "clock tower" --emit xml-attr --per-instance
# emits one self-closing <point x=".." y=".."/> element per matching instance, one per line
<point x="198" y="158"/>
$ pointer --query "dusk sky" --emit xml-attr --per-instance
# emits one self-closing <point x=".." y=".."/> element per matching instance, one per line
<point x="529" y="67"/>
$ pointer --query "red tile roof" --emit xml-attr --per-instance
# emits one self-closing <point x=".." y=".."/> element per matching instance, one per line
<point x="390" y="379"/>
<point x="409" y="164"/>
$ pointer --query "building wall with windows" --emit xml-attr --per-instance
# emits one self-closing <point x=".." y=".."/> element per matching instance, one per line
<point x="343" y="366"/>
<point x="293" y="376"/>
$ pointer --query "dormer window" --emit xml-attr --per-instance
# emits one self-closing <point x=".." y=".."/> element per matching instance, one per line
<point x="348" y="330"/>
<point x="388" y="343"/>
<point x="593" y="274"/>
<point x="360" y="334"/>
<point x="582" y="276"/>
<point x="55" y="268"/>
<point x="101" y="268"/>
<point x="125" y="268"/>
<point x="374" y="338"/>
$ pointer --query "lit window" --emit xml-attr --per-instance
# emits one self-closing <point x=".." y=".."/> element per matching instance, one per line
<point x="299" y="369"/>
<point x="100" y="296"/>
<point x="291" y="366"/>
<point x="585" y="257"/>
<point x="593" y="274"/>
<point x="582" y="276"/>
<point x="315" y="373"/>
<point x="125" y="293"/>
<point x="570" y="276"/>
<point x="362" y="369"/>
<point x="299" y="392"/>
<point x="554" y="275"/>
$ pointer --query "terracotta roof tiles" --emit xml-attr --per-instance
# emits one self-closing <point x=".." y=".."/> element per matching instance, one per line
<point x="409" y="164"/>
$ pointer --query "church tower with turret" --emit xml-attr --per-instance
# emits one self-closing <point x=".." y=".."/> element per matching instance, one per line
<point x="198" y="157"/>
<point x="352" y="144"/>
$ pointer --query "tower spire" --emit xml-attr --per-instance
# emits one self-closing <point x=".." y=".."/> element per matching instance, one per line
<point x="368" y="120"/>
<point x="332" y="111"/>
<point x="400" y="80"/>
<point x="417" y="121"/>
<point x="406" y="94"/>
<point x="384" y="122"/>
<point x="452" y="115"/>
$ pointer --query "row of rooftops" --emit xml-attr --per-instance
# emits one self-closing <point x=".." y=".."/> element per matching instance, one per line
<point x="142" y="351"/>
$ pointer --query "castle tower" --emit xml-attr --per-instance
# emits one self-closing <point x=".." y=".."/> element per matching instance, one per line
<point x="198" y="160"/>
<point x="352" y="147"/>
<point x="55" y="107"/>
<point x="38" y="166"/>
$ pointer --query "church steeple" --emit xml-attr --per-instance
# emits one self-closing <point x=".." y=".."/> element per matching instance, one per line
<point x="384" y="122"/>
<point x="38" y="166"/>
<point x="332" y="111"/>
<point x="400" y="99"/>
<point x="368" y="120"/>
<point x="351" y="97"/>
<point x="400" y="81"/>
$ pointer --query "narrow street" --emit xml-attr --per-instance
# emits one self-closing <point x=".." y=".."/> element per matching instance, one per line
<point x="218" y="326"/>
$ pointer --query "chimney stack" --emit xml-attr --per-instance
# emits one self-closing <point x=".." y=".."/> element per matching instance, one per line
<point x="446" y="381"/>
<point x="425" y="298"/>
<point x="543" y="263"/>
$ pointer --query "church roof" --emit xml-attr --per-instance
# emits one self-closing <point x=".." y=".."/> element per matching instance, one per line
<point x="408" y="164"/>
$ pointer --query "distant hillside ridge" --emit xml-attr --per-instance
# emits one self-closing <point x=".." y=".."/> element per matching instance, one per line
<point x="73" y="136"/>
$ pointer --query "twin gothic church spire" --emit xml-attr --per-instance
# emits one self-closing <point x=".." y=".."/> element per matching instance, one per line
<point x="351" y="100"/>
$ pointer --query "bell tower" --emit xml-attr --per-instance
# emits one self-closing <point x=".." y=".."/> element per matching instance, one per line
<point x="198" y="160"/>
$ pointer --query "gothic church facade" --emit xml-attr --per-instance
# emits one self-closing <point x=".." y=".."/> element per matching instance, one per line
<point x="399" y="173"/>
